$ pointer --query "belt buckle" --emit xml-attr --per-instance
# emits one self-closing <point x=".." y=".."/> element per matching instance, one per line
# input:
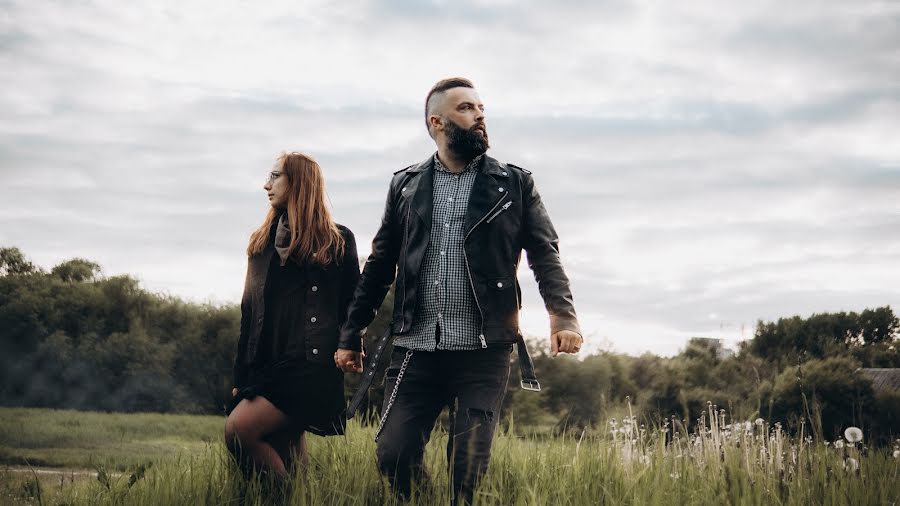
<point x="531" y="384"/>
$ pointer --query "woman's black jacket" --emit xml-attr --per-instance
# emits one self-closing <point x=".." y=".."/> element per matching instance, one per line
<point x="328" y="293"/>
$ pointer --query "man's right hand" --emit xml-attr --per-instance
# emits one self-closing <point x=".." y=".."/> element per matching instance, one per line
<point x="233" y="392"/>
<point x="349" y="360"/>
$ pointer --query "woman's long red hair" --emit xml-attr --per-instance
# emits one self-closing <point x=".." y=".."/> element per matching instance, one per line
<point x="314" y="235"/>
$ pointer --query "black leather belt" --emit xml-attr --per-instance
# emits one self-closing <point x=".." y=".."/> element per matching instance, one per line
<point x="372" y="361"/>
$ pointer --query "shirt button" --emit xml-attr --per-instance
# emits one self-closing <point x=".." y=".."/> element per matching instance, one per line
<point x="443" y="253"/>
<point x="450" y="199"/>
<point x="501" y="190"/>
<point x="315" y="288"/>
<point x="499" y="284"/>
<point x="446" y="225"/>
<point x="313" y="319"/>
<point x="504" y="173"/>
<point x="315" y="351"/>
<point x="437" y="282"/>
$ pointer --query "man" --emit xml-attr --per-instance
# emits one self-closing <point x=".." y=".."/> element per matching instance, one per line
<point x="453" y="230"/>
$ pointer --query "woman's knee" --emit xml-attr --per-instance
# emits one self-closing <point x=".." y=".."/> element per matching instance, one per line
<point x="237" y="434"/>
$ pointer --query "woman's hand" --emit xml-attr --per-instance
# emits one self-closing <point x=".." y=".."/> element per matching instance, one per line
<point x="349" y="360"/>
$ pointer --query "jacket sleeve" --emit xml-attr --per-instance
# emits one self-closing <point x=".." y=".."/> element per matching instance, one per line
<point x="241" y="370"/>
<point x="349" y="276"/>
<point x="376" y="277"/>
<point x="541" y="246"/>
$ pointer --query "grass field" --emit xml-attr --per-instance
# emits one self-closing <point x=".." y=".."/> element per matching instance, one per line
<point x="150" y="459"/>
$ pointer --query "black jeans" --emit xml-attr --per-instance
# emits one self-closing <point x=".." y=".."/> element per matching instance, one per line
<point x="472" y="384"/>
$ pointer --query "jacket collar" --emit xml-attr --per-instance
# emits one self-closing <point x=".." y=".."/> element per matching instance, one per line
<point x="489" y="165"/>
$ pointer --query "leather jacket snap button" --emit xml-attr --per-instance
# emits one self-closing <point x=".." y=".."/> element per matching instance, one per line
<point x="315" y="351"/>
<point x="315" y="288"/>
<point x="499" y="284"/>
<point x="313" y="319"/>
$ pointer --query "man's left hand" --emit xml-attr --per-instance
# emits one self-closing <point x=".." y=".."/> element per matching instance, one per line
<point x="565" y="341"/>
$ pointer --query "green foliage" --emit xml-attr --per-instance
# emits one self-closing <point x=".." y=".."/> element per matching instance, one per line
<point x="79" y="340"/>
<point x="77" y="270"/>
<point x="14" y="263"/>
<point x="823" y="335"/>
<point x="826" y="391"/>
<point x="73" y="338"/>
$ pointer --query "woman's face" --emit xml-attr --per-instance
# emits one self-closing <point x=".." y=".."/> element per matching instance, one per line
<point x="276" y="187"/>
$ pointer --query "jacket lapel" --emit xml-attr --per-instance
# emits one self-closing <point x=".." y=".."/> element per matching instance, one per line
<point x="421" y="187"/>
<point x="489" y="188"/>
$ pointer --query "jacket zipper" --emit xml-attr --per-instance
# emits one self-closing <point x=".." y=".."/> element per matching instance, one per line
<point x="469" y="272"/>
<point x="406" y="242"/>
<point x="504" y="208"/>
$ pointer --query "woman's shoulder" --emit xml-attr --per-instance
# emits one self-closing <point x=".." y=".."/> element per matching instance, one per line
<point x="346" y="232"/>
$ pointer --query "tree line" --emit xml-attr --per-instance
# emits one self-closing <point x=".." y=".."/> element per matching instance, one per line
<point x="74" y="338"/>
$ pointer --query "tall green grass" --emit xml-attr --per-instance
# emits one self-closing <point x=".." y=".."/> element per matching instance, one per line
<point x="720" y="463"/>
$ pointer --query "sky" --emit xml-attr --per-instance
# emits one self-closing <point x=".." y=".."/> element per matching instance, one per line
<point x="707" y="164"/>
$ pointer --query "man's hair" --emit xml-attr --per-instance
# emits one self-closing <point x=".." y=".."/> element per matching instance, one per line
<point x="438" y="90"/>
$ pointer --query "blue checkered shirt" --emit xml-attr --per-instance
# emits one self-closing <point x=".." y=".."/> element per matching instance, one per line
<point x="447" y="315"/>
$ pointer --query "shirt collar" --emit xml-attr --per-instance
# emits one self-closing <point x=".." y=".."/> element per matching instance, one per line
<point x="472" y="166"/>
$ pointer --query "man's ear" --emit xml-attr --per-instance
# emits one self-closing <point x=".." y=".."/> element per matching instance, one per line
<point x="435" y="122"/>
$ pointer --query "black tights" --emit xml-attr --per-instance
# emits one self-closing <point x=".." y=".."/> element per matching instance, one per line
<point x="263" y="438"/>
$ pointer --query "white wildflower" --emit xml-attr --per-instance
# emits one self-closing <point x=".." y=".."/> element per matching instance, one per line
<point x="759" y="422"/>
<point x="897" y="454"/>
<point x="853" y="434"/>
<point x="839" y="444"/>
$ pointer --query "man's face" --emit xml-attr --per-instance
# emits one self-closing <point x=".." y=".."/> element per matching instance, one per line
<point x="463" y="122"/>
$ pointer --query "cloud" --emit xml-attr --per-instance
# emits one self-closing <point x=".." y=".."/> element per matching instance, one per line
<point x="696" y="158"/>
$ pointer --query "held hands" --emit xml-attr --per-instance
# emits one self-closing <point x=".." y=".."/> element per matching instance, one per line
<point x="565" y="341"/>
<point x="349" y="360"/>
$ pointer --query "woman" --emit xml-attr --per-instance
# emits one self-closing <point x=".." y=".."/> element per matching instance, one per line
<point x="301" y="273"/>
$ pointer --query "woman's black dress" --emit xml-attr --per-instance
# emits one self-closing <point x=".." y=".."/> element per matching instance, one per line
<point x="312" y="394"/>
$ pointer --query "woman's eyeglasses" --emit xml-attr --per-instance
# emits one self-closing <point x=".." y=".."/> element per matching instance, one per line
<point x="273" y="176"/>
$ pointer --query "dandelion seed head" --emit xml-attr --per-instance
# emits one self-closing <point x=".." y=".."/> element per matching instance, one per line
<point x="839" y="444"/>
<point x="853" y="434"/>
<point x="759" y="422"/>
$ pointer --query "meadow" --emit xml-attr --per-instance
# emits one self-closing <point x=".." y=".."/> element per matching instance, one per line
<point x="153" y="459"/>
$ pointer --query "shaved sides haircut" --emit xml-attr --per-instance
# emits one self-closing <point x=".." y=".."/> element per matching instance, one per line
<point x="437" y="91"/>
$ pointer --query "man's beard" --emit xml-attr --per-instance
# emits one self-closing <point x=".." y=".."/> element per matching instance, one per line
<point x="466" y="143"/>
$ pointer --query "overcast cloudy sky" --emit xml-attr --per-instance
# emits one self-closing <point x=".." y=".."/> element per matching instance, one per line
<point x="706" y="163"/>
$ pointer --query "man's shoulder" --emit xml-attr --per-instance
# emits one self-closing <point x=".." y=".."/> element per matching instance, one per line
<point x="405" y="169"/>
<point x="517" y="168"/>
<point x="416" y="167"/>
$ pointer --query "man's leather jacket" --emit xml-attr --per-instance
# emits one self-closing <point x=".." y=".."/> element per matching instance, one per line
<point x="505" y="215"/>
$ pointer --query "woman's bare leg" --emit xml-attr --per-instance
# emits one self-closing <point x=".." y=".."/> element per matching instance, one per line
<point x="246" y="430"/>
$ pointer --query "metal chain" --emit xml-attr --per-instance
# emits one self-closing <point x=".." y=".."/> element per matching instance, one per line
<point x="390" y="403"/>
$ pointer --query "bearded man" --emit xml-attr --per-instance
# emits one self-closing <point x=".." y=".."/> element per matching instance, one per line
<point x="452" y="233"/>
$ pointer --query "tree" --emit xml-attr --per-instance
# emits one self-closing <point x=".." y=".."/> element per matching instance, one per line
<point x="827" y="393"/>
<point x="77" y="270"/>
<point x="13" y="263"/>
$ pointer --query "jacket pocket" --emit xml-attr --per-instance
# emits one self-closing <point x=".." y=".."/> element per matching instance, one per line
<point x="501" y="301"/>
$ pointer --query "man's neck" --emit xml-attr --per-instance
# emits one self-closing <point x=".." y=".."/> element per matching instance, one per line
<point x="451" y="161"/>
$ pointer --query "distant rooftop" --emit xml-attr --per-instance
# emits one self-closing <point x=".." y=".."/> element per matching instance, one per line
<point x="883" y="379"/>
